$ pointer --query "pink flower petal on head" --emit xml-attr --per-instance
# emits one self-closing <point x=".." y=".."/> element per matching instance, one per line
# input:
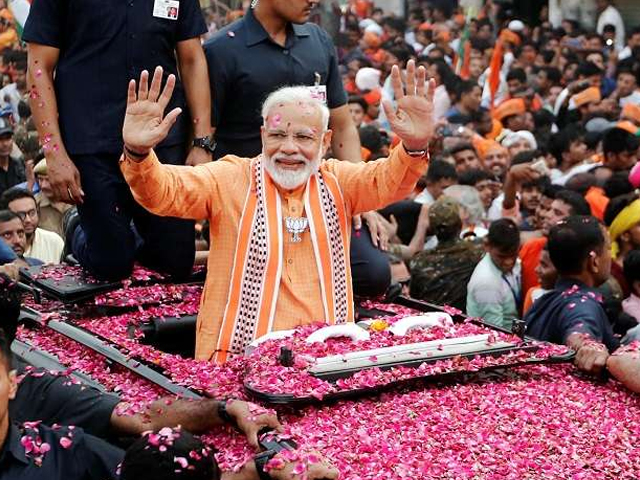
<point x="65" y="442"/>
<point x="275" y="120"/>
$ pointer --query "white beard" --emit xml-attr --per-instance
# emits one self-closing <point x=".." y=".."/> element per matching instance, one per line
<point x="291" y="179"/>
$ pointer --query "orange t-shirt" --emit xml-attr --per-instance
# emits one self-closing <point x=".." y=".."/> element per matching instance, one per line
<point x="530" y="258"/>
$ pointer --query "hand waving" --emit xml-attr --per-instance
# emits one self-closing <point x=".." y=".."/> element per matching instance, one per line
<point x="144" y="125"/>
<point x="412" y="120"/>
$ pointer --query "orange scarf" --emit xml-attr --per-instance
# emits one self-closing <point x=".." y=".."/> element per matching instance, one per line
<point x="257" y="268"/>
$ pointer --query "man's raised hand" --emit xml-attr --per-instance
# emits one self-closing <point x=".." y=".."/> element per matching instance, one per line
<point x="145" y="125"/>
<point x="412" y="120"/>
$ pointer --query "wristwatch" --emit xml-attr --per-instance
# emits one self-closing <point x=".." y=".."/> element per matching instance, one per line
<point x="223" y="414"/>
<point x="207" y="143"/>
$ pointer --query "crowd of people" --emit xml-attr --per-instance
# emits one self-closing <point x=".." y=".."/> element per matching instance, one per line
<point x="536" y="123"/>
<point x="483" y="160"/>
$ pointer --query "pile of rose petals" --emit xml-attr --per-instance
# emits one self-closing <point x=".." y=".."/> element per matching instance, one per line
<point x="266" y="375"/>
<point x="535" y="422"/>
<point x="149" y="295"/>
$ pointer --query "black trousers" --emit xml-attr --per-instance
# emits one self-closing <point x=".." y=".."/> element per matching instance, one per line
<point x="115" y="230"/>
<point x="370" y="269"/>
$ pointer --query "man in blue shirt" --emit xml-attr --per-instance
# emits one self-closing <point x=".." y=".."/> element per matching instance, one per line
<point x="34" y="451"/>
<point x="273" y="46"/>
<point x="572" y="313"/>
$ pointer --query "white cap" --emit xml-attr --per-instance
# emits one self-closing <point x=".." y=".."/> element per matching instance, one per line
<point x="513" y="137"/>
<point x="368" y="78"/>
<point x="516" y="26"/>
<point x="375" y="28"/>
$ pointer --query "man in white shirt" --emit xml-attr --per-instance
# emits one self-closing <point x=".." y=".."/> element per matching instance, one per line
<point x="494" y="291"/>
<point x="40" y="244"/>
<point x="609" y="15"/>
<point x="582" y="11"/>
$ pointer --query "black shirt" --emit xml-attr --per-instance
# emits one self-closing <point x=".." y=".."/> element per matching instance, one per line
<point x="571" y="307"/>
<point x="103" y="44"/>
<point x="13" y="175"/>
<point x="246" y="65"/>
<point x="79" y="457"/>
<point x="53" y="398"/>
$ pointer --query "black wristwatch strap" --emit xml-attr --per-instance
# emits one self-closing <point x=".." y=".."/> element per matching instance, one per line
<point x="261" y="460"/>
<point x="134" y="155"/>
<point x="206" y="143"/>
<point x="223" y="414"/>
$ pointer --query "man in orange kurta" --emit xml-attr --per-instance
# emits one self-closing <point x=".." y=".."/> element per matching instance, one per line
<point x="294" y="135"/>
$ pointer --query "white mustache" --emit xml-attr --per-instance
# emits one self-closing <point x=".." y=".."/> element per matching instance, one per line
<point x="291" y="158"/>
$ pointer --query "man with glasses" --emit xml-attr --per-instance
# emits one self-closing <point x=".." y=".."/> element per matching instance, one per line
<point x="40" y="244"/>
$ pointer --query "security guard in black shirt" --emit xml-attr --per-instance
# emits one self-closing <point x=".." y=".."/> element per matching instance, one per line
<point x="246" y="64"/>
<point x="34" y="451"/>
<point x="95" y="47"/>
